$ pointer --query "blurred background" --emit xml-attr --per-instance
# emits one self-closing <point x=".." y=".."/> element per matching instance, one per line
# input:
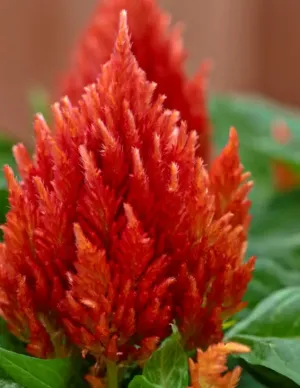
<point x="253" y="43"/>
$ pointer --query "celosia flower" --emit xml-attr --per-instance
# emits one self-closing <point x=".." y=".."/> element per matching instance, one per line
<point x="117" y="229"/>
<point x="159" y="52"/>
<point x="284" y="178"/>
<point x="210" y="368"/>
<point x="212" y="278"/>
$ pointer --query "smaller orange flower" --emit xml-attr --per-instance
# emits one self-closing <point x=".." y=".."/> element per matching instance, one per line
<point x="210" y="369"/>
<point x="284" y="178"/>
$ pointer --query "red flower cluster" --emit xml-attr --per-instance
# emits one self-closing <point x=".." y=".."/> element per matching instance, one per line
<point x="159" y="52"/>
<point x="117" y="229"/>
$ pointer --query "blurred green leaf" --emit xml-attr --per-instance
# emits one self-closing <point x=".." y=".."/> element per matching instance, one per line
<point x="253" y="118"/>
<point x="269" y="276"/>
<point x="6" y="157"/>
<point x="277" y="354"/>
<point x="276" y="316"/>
<point x="248" y="381"/>
<point x="272" y="330"/>
<point x="275" y="231"/>
<point x="268" y="377"/>
<point x="7" y="340"/>
<point x="4" y="206"/>
<point x="40" y="103"/>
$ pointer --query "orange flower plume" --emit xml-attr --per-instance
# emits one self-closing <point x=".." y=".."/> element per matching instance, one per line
<point x="210" y="368"/>
<point x="159" y="52"/>
<point x="117" y="229"/>
<point x="284" y="178"/>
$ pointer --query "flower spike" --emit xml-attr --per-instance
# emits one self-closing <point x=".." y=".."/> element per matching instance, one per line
<point x="117" y="229"/>
<point x="159" y="52"/>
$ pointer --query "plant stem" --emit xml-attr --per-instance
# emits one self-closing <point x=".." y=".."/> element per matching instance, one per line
<point x="112" y="374"/>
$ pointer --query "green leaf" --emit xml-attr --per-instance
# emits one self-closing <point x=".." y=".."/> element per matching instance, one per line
<point x="253" y="119"/>
<point x="4" y="207"/>
<point x="276" y="316"/>
<point x="275" y="240"/>
<point x="8" y="341"/>
<point x="36" y="373"/>
<point x="3" y="375"/>
<point x="276" y="233"/>
<point x="40" y="103"/>
<point x="269" y="377"/>
<point x="5" y="381"/>
<point x="6" y="157"/>
<point x="269" y="276"/>
<point x="167" y="367"/>
<point x="142" y="382"/>
<point x="277" y="354"/>
<point x="248" y="381"/>
<point x="283" y="208"/>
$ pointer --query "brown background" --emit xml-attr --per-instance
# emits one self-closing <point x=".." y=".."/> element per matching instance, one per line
<point x="254" y="44"/>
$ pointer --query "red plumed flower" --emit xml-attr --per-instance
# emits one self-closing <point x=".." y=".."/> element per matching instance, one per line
<point x="117" y="229"/>
<point x="159" y="52"/>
